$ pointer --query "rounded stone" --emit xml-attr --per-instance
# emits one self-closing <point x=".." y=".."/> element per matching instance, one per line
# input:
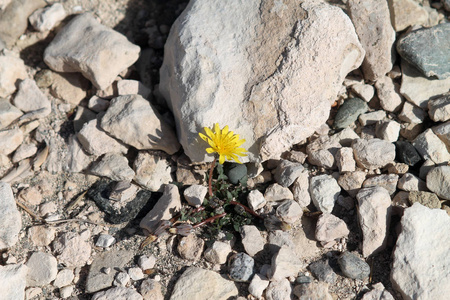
<point x="349" y="112"/>
<point x="241" y="269"/>
<point x="353" y="267"/>
<point x="236" y="172"/>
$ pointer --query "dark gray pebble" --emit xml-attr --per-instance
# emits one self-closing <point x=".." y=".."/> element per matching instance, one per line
<point x="406" y="153"/>
<point x="353" y="267"/>
<point x="322" y="271"/>
<point x="349" y="112"/>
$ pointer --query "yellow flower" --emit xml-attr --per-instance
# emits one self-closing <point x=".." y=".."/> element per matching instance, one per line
<point x="224" y="142"/>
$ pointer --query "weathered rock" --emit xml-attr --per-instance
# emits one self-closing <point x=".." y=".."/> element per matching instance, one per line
<point x="72" y="249"/>
<point x="241" y="267"/>
<point x="371" y="118"/>
<point x="114" y="166"/>
<point x="443" y="132"/>
<point x="363" y="91"/>
<point x="29" y="98"/>
<point x="121" y="279"/>
<point x="41" y="235"/>
<point x="352" y="182"/>
<point x="285" y="263"/>
<point x="153" y="170"/>
<point x="427" y="199"/>
<point x="322" y="150"/>
<point x="146" y="262"/>
<point x="314" y="290"/>
<point x="287" y="172"/>
<point x="8" y="112"/>
<point x="405" y="13"/>
<point x="324" y="191"/>
<point x="119" y="292"/>
<point x="66" y="292"/>
<point x="279" y="290"/>
<point x="374" y="215"/>
<point x="97" y="142"/>
<point x="431" y="147"/>
<point x="353" y="267"/>
<point x="196" y="283"/>
<point x="330" y="227"/>
<point x="70" y="87"/>
<point x="421" y="266"/>
<point x="289" y="211"/>
<point x="257" y="286"/>
<point x="300" y="190"/>
<point x="412" y="113"/>
<point x="349" y="112"/>
<point x="13" y="279"/>
<point x="167" y="205"/>
<point x="41" y="269"/>
<point x="374" y="153"/>
<point x="322" y="270"/>
<point x="80" y="47"/>
<point x="218" y="252"/>
<point x="388" y="130"/>
<point x="10" y="140"/>
<point x="406" y="153"/>
<point x="372" y="23"/>
<point x="10" y="218"/>
<point x="378" y="293"/>
<point x="133" y="87"/>
<point x="98" y="104"/>
<point x="417" y="88"/>
<point x="256" y="200"/>
<point x="24" y="151"/>
<point x="254" y="69"/>
<point x="136" y="122"/>
<point x="63" y="278"/>
<point x="345" y="137"/>
<point x="78" y="160"/>
<point x="14" y="19"/>
<point x="438" y="181"/>
<point x="44" y="19"/>
<point x="344" y="160"/>
<point x="105" y="240"/>
<point x="135" y="274"/>
<point x="387" y="181"/>
<point x="195" y="194"/>
<point x="97" y="279"/>
<point x="410" y="182"/>
<point x="252" y="240"/>
<point x="427" y="50"/>
<point x="439" y="109"/>
<point x="191" y="247"/>
<point x="276" y="192"/>
<point x="151" y="290"/>
<point x="389" y="94"/>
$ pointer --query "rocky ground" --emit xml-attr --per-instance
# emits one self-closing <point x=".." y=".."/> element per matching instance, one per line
<point x="348" y="150"/>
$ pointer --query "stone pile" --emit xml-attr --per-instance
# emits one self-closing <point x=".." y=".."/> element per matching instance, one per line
<point x="343" y="142"/>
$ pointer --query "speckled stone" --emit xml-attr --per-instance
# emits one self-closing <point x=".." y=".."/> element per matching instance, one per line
<point x="241" y="268"/>
<point x="353" y="267"/>
<point x="427" y="199"/>
<point x="406" y="153"/>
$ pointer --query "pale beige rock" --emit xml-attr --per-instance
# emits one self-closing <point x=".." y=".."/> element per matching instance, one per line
<point x="10" y="140"/>
<point x="289" y="211"/>
<point x="191" y="247"/>
<point x="98" y="104"/>
<point x="439" y="109"/>
<point x="41" y="235"/>
<point x="276" y="192"/>
<point x="388" y="93"/>
<point x="13" y="278"/>
<point x="153" y="170"/>
<point x="11" y="220"/>
<point x="378" y="293"/>
<point x="300" y="190"/>
<point x="374" y="29"/>
<point x="200" y="284"/>
<point x="285" y="263"/>
<point x="218" y="252"/>
<point x="44" y="19"/>
<point x="64" y="278"/>
<point x="443" y="132"/>
<point x="86" y="46"/>
<point x="410" y="182"/>
<point x="30" y="195"/>
<point x="70" y="87"/>
<point x="313" y="290"/>
<point x="195" y="194"/>
<point x="371" y="117"/>
<point x="322" y="150"/>
<point x="388" y="130"/>
<point x="8" y="113"/>
<point x="114" y="166"/>
<point x="257" y="286"/>
<point x="119" y="292"/>
<point x="374" y="153"/>
<point x="252" y="240"/>
<point x="78" y="159"/>
<point x="72" y="249"/>
<point x="151" y="290"/>
<point x="438" y="181"/>
<point x="345" y="137"/>
<point x="412" y="113"/>
<point x="345" y="161"/>
<point x="127" y="87"/>
<point x="405" y="13"/>
<point x="431" y="147"/>
<point x="330" y="227"/>
<point x="279" y="289"/>
<point x="136" y="122"/>
<point x="24" y="151"/>
<point x="256" y="200"/>
<point x="254" y="69"/>
<point x="387" y="181"/>
<point x="364" y="91"/>
<point x="42" y="269"/>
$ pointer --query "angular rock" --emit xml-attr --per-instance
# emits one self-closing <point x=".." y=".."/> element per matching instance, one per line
<point x="410" y="182"/>
<point x="353" y="267"/>
<point x="276" y="192"/>
<point x="374" y="153"/>
<point x="45" y="19"/>
<point x="387" y="181"/>
<point x="14" y="19"/>
<point x="41" y="236"/>
<point x="324" y="191"/>
<point x="443" y="132"/>
<point x="378" y="293"/>
<point x="70" y="87"/>
<point x="427" y="199"/>
<point x="389" y="94"/>
<point x="10" y="140"/>
<point x="153" y="170"/>
<point x="133" y="87"/>
<point x="322" y="150"/>
<point x="300" y="190"/>
<point x="10" y="218"/>
<point x="289" y="211"/>
<point x="78" y="160"/>
<point x="119" y="292"/>
<point x="8" y="113"/>
<point x="285" y="263"/>
<point x="256" y="200"/>
<point x="13" y="279"/>
<point x="421" y="268"/>
<point x="438" y="181"/>
<point x="254" y="69"/>
<point x="257" y="286"/>
<point x="98" y="104"/>
<point x="374" y="215"/>
<point x="135" y="274"/>
<point x="427" y="50"/>
<point x="371" y="118"/>
<point x="344" y="160"/>
<point x="191" y="247"/>
<point x="97" y="142"/>
<point x="352" y="182"/>
<point x="114" y="166"/>
<point x="41" y="269"/>
<point x="287" y="172"/>
<point x="322" y="270"/>
<point x="388" y="130"/>
<point x="64" y="278"/>
<point x="151" y="290"/>
<point x="349" y="112"/>
<point x="105" y="240"/>
<point x="29" y="98"/>
<point x="97" y="279"/>
<point x="24" y="151"/>
<point x="417" y="88"/>
<point x="345" y="137"/>
<point x="133" y="120"/>
<point x="439" y="109"/>
<point x="197" y="283"/>
<point x="195" y="194"/>
<point x="146" y="262"/>
<point x="406" y="153"/>
<point x="218" y="252"/>
<point x="66" y="292"/>
<point x="330" y="227"/>
<point x="431" y="147"/>
<point x="405" y="13"/>
<point x="412" y="113"/>
<point x="80" y="47"/>
<point x="279" y="290"/>
<point x="252" y="240"/>
<point x="241" y="267"/>
<point x="72" y="249"/>
<point x="167" y="205"/>
<point x="122" y="279"/>
<point x="364" y="91"/>
<point x="314" y="290"/>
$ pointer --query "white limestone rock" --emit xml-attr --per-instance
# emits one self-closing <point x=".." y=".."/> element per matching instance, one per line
<point x="153" y="170"/>
<point x="443" y="132"/>
<point x="430" y="146"/>
<point x="344" y="160"/>
<point x="351" y="182"/>
<point x="29" y="98"/>
<point x="388" y="93"/>
<point x="285" y="263"/>
<point x="257" y="286"/>
<point x="86" y="46"/>
<point x="378" y="293"/>
<point x="387" y="181"/>
<point x="307" y="79"/>
<point x="374" y="215"/>
<point x="256" y="200"/>
<point x="44" y="19"/>
<point x="8" y="113"/>
<point x="374" y="153"/>
<point x="24" y="151"/>
<point x="12" y="69"/>
<point x="134" y="121"/>
<point x="70" y="87"/>
<point x="133" y="87"/>
<point x="276" y="192"/>
<point x="405" y="13"/>
<point x="300" y="190"/>
<point x="10" y="218"/>
<point x="410" y="182"/>
<point x="42" y="269"/>
<point x="73" y="249"/>
<point x="371" y="118"/>
<point x="321" y="151"/>
<point x="330" y="227"/>
<point x="252" y="240"/>
<point x="411" y="113"/>
<point x="388" y="130"/>
<point x="421" y="264"/>
<point x="64" y="278"/>
<point x="324" y="191"/>
<point x="279" y="290"/>
<point x="218" y="252"/>
<point x="13" y="279"/>
<point x="287" y="172"/>
<point x="438" y="181"/>
<point x="289" y="211"/>
<point x="195" y="194"/>
<point x="119" y="292"/>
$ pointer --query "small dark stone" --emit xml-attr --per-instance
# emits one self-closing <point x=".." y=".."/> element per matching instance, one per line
<point x="353" y="267"/>
<point x="303" y="279"/>
<point x="322" y="271"/>
<point x="406" y="153"/>
<point x="241" y="268"/>
<point x="427" y="50"/>
<point x="100" y="191"/>
<point x="349" y="112"/>
<point x="236" y="172"/>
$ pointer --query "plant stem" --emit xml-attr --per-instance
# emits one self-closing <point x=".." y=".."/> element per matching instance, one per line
<point x="210" y="177"/>
<point x="247" y="209"/>
<point x="209" y="220"/>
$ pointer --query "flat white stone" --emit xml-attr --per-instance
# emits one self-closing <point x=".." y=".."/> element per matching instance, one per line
<point x="330" y="227"/>
<point x="324" y="191"/>
<point x="118" y="293"/>
<point x="114" y="166"/>
<point x="42" y="269"/>
<point x="13" y="279"/>
<point x="388" y="92"/>
<point x="195" y="194"/>
<point x="64" y="278"/>
<point x="374" y="153"/>
<point x="10" y="217"/>
<point x="388" y="130"/>
<point x="8" y="113"/>
<point x="256" y="200"/>
<point x="218" y="252"/>
<point x="439" y="109"/>
<point x="12" y="68"/>
<point x="438" y="181"/>
<point x="276" y="192"/>
<point x="252" y="240"/>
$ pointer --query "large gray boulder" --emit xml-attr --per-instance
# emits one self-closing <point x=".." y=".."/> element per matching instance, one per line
<point x="268" y="70"/>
